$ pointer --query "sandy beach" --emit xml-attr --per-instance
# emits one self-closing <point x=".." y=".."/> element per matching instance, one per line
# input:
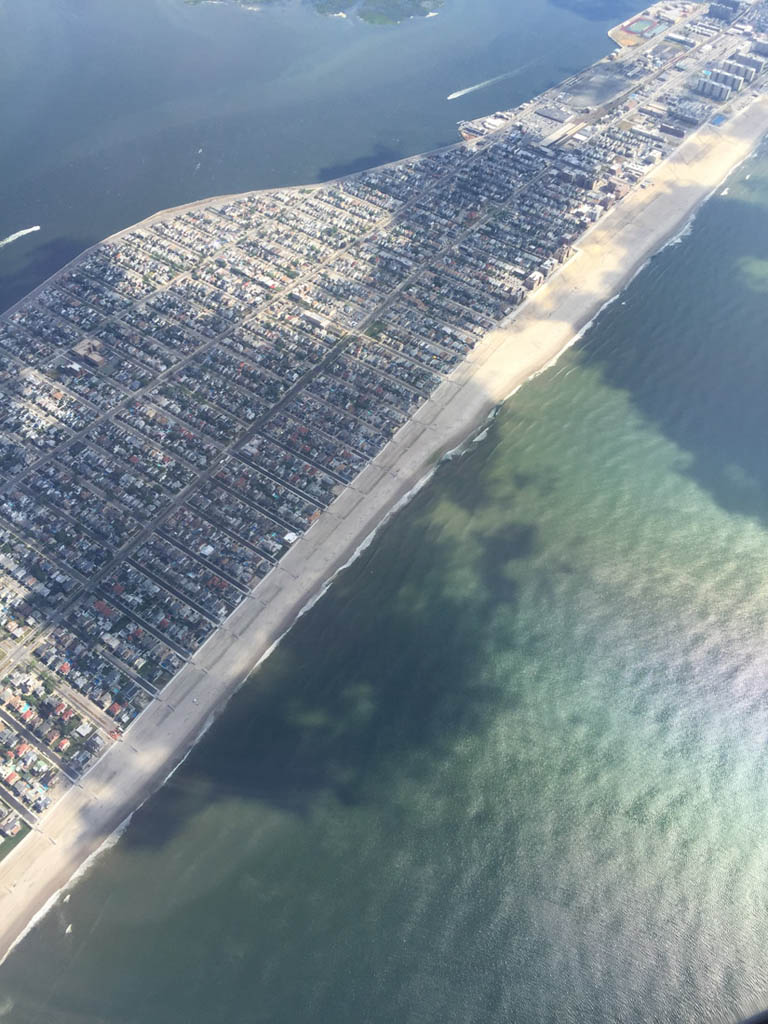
<point x="607" y="258"/>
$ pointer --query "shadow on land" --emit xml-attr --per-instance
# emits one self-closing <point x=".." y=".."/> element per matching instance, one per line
<point x="48" y="258"/>
<point x="371" y="676"/>
<point x="42" y="261"/>
<point x="385" y="678"/>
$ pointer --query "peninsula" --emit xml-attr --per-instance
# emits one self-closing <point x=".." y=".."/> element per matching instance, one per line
<point x="204" y="416"/>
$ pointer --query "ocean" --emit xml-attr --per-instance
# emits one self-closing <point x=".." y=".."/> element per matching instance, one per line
<point x="512" y="767"/>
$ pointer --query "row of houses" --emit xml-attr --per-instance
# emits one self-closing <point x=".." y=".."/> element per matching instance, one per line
<point x="185" y="402"/>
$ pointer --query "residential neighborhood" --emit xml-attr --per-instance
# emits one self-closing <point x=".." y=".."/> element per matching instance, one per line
<point x="185" y="401"/>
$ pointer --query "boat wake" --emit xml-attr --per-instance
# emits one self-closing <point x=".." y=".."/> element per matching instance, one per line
<point x="480" y="85"/>
<point x="491" y="81"/>
<point x="18" y="234"/>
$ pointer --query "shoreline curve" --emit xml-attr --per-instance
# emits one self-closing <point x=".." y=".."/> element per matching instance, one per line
<point x="91" y="815"/>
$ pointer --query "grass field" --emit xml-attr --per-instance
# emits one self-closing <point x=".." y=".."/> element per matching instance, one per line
<point x="9" y="844"/>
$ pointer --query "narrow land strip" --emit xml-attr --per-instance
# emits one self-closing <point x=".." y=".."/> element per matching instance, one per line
<point x="547" y="324"/>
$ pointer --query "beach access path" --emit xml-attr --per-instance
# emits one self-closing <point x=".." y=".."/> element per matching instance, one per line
<point x="607" y="258"/>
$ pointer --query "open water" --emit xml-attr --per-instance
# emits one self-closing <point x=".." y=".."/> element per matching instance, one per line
<point x="111" y="110"/>
<point x="513" y="767"/>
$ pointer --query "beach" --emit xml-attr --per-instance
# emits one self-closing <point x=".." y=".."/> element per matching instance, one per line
<point x="547" y="324"/>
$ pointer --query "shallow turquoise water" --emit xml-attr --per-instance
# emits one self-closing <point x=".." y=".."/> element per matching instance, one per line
<point x="513" y="766"/>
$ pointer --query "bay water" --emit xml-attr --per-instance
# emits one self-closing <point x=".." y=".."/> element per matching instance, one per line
<point x="513" y="766"/>
<point x="112" y="111"/>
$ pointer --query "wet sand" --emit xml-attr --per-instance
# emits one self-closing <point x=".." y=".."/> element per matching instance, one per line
<point x="607" y="258"/>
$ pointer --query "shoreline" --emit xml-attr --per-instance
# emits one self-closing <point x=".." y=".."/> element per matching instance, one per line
<point x="195" y="204"/>
<point x="94" y="812"/>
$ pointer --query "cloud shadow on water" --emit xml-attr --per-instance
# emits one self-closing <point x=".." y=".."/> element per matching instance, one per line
<point x="375" y="676"/>
<point x="693" y="360"/>
<point x="383" y="680"/>
<point x="380" y="154"/>
<point x="599" y="10"/>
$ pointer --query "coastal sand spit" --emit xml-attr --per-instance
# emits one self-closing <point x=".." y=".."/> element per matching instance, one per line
<point x="607" y="258"/>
